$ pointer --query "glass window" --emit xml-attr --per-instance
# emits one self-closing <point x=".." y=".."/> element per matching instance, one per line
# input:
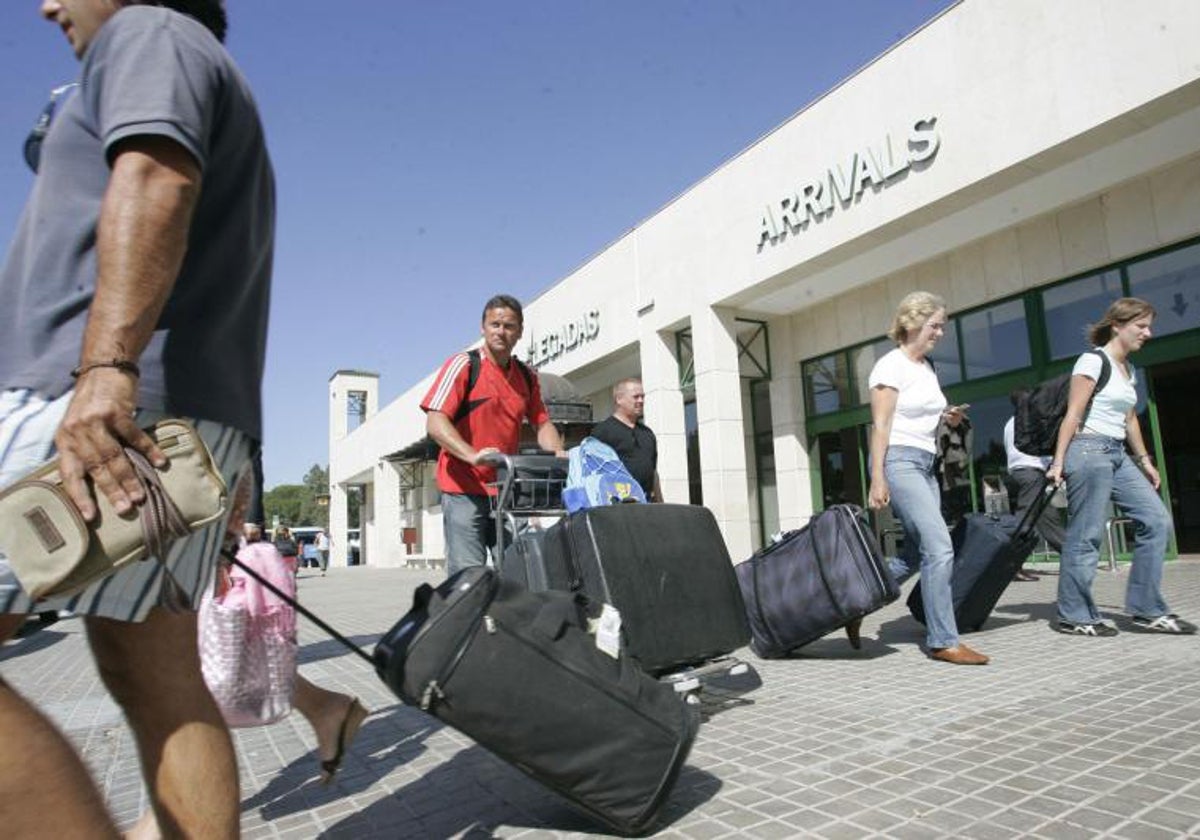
<point x="1171" y="282"/>
<point x="1071" y="307"/>
<point x="988" y="417"/>
<point x="764" y="454"/>
<point x="863" y="359"/>
<point x="691" y="426"/>
<point x="841" y="479"/>
<point x="945" y="355"/>
<point x="826" y="384"/>
<point x="995" y="339"/>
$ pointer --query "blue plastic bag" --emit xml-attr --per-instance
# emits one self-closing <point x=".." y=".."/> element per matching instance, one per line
<point x="596" y="477"/>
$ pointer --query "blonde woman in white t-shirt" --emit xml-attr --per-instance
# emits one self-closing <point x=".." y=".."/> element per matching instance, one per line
<point x="906" y="405"/>
<point x="1102" y="456"/>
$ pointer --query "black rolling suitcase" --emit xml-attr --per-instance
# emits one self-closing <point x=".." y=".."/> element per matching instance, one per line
<point x="518" y="672"/>
<point x="989" y="549"/>
<point x="824" y="576"/>
<point x="663" y="566"/>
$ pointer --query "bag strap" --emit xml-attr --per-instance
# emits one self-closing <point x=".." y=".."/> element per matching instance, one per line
<point x="162" y="524"/>
<point x="1101" y="381"/>
<point x="294" y="604"/>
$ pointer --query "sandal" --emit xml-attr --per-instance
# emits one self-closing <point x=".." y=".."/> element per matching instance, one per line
<point x="355" y="715"/>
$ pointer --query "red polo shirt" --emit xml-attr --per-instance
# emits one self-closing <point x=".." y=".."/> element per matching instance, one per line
<point x="499" y="402"/>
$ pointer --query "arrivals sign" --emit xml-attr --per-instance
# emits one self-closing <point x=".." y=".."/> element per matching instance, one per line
<point x="842" y="183"/>
<point x="549" y="346"/>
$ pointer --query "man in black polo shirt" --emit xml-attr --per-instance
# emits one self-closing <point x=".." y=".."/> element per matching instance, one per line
<point x="632" y="439"/>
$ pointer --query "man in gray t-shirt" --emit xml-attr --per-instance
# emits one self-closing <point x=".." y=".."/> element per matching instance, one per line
<point x="137" y="284"/>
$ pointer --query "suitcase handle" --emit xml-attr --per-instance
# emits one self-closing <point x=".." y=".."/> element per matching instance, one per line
<point x="1029" y="521"/>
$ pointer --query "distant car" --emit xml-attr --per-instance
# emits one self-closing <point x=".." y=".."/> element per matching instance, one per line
<point x="354" y="543"/>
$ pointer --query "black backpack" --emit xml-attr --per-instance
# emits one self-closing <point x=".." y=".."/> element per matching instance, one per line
<point x="1039" y="410"/>
<point x="473" y="365"/>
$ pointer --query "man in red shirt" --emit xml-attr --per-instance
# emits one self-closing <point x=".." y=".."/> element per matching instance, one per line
<point x="470" y="422"/>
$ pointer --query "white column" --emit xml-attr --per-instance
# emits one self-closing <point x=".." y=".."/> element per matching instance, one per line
<point x="793" y="471"/>
<point x="664" y="410"/>
<point x="338" y="524"/>
<point x="721" y="426"/>
<point x="388" y="546"/>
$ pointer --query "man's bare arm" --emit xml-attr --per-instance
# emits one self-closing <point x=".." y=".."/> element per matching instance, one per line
<point x="141" y="241"/>
<point x="441" y="428"/>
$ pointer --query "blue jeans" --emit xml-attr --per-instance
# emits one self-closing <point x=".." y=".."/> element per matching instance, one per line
<point x="469" y="528"/>
<point x="1098" y="470"/>
<point x="916" y="503"/>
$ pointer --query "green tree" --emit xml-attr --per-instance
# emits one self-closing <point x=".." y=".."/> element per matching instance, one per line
<point x="300" y="504"/>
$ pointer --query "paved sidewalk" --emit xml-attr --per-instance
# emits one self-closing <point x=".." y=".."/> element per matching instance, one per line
<point x="1059" y="737"/>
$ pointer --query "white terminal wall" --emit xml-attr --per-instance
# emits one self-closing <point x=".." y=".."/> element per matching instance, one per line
<point x="1069" y="134"/>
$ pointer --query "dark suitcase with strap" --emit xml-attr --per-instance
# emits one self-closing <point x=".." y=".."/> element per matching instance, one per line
<point x="663" y="566"/>
<point x="989" y="549"/>
<point x="817" y="579"/>
<point x="518" y="672"/>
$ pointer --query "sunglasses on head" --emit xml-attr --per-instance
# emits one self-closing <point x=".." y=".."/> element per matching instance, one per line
<point x="33" y="143"/>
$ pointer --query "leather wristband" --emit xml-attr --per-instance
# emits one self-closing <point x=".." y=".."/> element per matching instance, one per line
<point x="124" y="365"/>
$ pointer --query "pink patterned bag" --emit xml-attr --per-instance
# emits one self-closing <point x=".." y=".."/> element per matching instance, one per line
<point x="248" y="640"/>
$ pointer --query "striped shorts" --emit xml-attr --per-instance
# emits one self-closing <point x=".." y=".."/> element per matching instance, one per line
<point x="27" y="426"/>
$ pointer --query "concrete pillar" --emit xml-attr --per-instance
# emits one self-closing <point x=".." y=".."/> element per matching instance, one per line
<point x="793" y="470"/>
<point x="721" y="425"/>
<point x="387" y="547"/>
<point x="664" y="410"/>
<point x="338" y="526"/>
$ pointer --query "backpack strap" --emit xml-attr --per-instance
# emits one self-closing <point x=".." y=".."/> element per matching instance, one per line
<point x="474" y="363"/>
<point x="1105" y="371"/>
<point x="1101" y="381"/>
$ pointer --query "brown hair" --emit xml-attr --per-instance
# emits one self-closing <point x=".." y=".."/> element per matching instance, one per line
<point x="914" y="310"/>
<point x="1118" y="314"/>
<point x="504" y="302"/>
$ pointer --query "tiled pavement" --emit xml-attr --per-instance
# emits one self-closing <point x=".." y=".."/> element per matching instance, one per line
<point x="1059" y="737"/>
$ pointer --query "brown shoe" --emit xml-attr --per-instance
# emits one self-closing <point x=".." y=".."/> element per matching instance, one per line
<point x="958" y="655"/>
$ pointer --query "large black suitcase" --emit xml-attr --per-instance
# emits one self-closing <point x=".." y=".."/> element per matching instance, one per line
<point x="824" y="576"/>
<point x="989" y="549"/>
<point x="518" y="672"/>
<point x="663" y="566"/>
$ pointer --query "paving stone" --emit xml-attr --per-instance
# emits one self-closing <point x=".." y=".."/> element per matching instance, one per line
<point x="1057" y="738"/>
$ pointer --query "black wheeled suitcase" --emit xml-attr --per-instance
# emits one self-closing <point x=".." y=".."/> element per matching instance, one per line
<point x="822" y="577"/>
<point x="989" y="549"/>
<point x="518" y="672"/>
<point x="666" y="570"/>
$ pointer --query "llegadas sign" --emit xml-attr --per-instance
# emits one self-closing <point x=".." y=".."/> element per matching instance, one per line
<point x="549" y="346"/>
<point x="875" y="166"/>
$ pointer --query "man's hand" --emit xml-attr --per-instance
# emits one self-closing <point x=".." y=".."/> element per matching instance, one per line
<point x="97" y="424"/>
<point x="481" y="455"/>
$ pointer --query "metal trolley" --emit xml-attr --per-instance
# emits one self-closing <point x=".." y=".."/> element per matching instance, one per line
<point x="530" y="487"/>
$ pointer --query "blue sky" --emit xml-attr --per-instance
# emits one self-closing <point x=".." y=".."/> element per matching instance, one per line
<point x="429" y="155"/>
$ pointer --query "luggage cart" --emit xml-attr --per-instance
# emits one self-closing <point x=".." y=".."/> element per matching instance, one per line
<point x="530" y="487"/>
<point x="527" y="487"/>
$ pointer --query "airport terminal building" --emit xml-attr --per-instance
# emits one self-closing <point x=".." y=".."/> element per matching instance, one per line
<point x="1028" y="161"/>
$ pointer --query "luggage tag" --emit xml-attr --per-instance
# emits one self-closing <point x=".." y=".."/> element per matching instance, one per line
<point x="608" y="631"/>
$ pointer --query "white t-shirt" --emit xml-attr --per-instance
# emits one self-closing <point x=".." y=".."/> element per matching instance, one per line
<point x="1017" y="458"/>
<point x="920" y="403"/>
<point x="1110" y="406"/>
